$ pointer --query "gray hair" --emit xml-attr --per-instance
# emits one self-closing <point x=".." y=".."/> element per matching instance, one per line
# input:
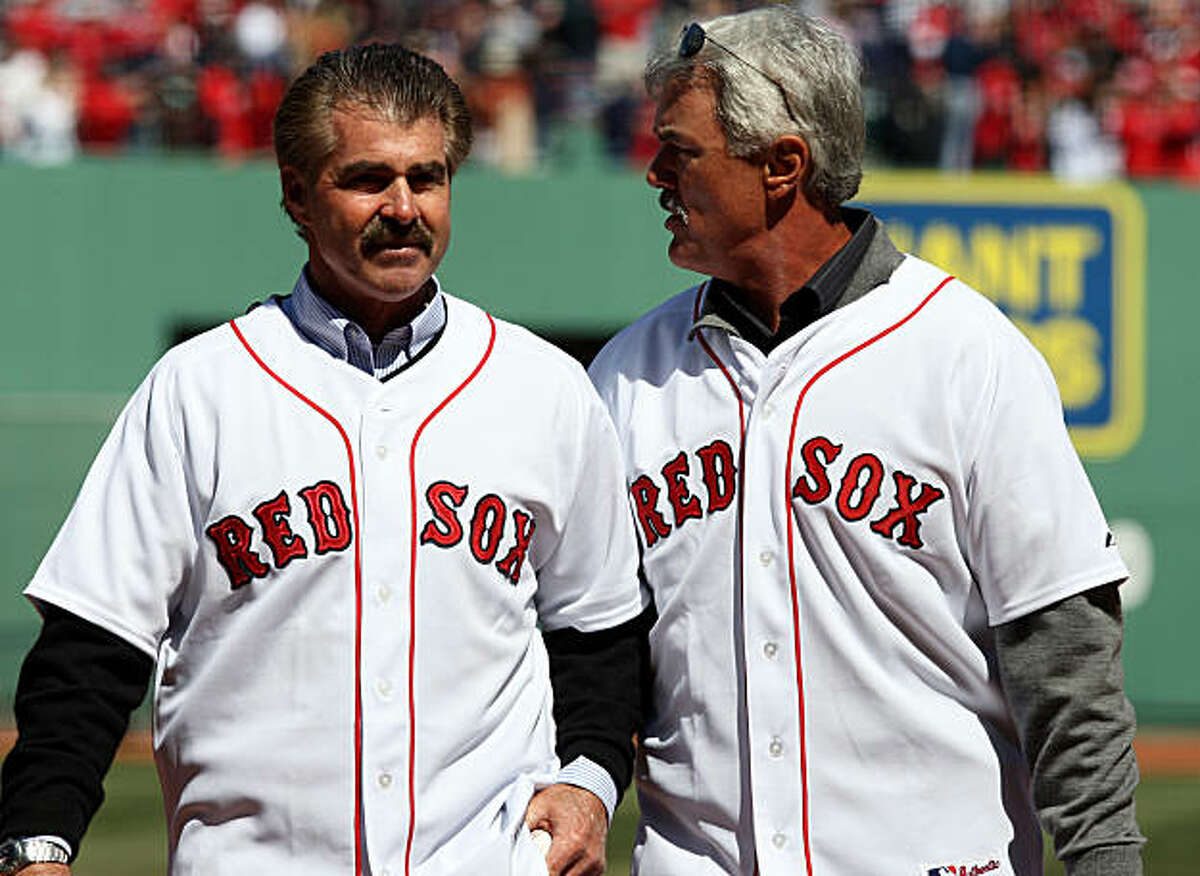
<point x="399" y="85"/>
<point x="810" y="61"/>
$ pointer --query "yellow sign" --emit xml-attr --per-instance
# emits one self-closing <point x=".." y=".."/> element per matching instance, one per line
<point x="1065" y="263"/>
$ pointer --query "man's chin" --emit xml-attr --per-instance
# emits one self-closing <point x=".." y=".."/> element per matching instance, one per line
<point x="400" y="282"/>
<point x="682" y="256"/>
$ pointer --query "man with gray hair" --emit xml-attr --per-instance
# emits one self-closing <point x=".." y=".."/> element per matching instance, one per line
<point x="888" y="633"/>
<point x="374" y="637"/>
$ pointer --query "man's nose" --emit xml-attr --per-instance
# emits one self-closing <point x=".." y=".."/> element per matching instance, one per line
<point x="656" y="176"/>
<point x="399" y="203"/>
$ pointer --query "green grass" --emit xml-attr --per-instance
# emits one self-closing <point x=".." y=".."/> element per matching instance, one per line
<point x="126" y="839"/>
<point x="127" y="836"/>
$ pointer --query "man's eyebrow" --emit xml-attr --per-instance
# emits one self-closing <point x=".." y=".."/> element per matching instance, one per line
<point x="666" y="132"/>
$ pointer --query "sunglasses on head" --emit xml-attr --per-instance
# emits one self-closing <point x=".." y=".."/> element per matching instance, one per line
<point x="691" y="41"/>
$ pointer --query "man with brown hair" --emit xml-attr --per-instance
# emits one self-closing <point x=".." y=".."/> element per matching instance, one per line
<point x="331" y="530"/>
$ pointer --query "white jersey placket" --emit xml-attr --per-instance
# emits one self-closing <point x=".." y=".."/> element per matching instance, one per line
<point x="773" y="743"/>
<point x="773" y="682"/>
<point x="386" y="436"/>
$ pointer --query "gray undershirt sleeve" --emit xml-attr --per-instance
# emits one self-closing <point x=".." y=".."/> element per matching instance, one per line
<point x="1061" y="671"/>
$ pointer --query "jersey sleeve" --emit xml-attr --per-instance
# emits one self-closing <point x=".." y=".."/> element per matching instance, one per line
<point x="1035" y="530"/>
<point x="128" y="539"/>
<point x="588" y="579"/>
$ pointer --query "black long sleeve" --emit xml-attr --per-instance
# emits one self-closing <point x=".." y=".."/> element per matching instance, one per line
<point x="597" y="694"/>
<point x="77" y="688"/>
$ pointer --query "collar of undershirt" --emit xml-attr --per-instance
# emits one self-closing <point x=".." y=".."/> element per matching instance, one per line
<point x="322" y="324"/>
<point x="865" y="261"/>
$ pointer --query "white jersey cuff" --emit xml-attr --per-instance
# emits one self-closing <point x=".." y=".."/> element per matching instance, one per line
<point x="589" y="775"/>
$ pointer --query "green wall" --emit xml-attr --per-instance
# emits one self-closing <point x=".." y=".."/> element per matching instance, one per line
<point x="104" y="262"/>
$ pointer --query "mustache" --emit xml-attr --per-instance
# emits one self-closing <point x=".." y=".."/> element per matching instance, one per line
<point x="383" y="232"/>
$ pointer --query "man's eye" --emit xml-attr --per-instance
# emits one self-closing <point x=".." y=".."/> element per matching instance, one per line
<point x="675" y="152"/>
<point x="425" y="181"/>
<point x="368" y="183"/>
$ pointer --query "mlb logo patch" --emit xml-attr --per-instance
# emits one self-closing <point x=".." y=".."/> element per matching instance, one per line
<point x="976" y="869"/>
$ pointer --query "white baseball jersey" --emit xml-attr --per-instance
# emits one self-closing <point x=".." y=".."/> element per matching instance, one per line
<point x="341" y="580"/>
<point x="829" y="531"/>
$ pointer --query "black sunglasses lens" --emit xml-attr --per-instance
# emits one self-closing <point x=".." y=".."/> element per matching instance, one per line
<point x="692" y="41"/>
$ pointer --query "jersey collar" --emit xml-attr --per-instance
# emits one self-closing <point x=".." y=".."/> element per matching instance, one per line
<point x="863" y="262"/>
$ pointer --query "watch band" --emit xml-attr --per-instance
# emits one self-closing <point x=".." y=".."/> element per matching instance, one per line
<point x="16" y="854"/>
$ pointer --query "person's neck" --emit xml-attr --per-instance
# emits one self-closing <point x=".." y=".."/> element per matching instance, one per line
<point x="373" y="316"/>
<point x="379" y="318"/>
<point x="788" y="258"/>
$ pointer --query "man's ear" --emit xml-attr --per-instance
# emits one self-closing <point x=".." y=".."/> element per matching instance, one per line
<point x="788" y="164"/>
<point x="295" y="195"/>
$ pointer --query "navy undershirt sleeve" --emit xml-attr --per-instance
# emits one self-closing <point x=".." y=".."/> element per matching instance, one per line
<point x="596" y="678"/>
<point x="77" y="688"/>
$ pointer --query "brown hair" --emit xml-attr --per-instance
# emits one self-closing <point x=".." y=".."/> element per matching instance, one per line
<point x="399" y="85"/>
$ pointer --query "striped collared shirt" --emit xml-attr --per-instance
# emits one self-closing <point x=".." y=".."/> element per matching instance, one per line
<point x="321" y="323"/>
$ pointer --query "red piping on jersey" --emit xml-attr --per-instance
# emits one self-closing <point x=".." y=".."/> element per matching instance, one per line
<point x="412" y="596"/>
<point x="741" y="475"/>
<point x="787" y="495"/>
<point x="357" y="592"/>
<point x="732" y="385"/>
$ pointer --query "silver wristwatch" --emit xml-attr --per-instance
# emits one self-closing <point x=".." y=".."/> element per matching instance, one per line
<point x="16" y="854"/>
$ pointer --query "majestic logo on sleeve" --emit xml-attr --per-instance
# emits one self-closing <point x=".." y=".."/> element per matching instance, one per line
<point x="859" y="489"/>
<point x="328" y="527"/>
<point x="487" y="530"/>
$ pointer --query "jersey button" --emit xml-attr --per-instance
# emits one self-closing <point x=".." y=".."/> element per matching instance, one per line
<point x="381" y="452"/>
<point x="779" y="841"/>
<point x="770" y="650"/>
<point x="385" y="780"/>
<point x="383" y="592"/>
<point x="766" y="558"/>
<point x="383" y="687"/>
<point x="775" y="749"/>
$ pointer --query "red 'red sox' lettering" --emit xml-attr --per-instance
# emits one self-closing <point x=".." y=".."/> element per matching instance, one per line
<point x="664" y="501"/>
<point x="859" y="489"/>
<point x="328" y="518"/>
<point x="232" y="537"/>
<point x="814" y="466"/>
<point x="487" y="527"/>
<point x="272" y="516"/>
<point x="718" y="473"/>
<point x="444" y="530"/>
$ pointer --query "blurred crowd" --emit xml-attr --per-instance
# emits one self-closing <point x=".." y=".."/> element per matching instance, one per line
<point x="1088" y="89"/>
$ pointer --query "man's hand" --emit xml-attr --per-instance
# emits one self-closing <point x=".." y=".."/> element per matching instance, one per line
<point x="578" y="826"/>
<point x="45" y="870"/>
